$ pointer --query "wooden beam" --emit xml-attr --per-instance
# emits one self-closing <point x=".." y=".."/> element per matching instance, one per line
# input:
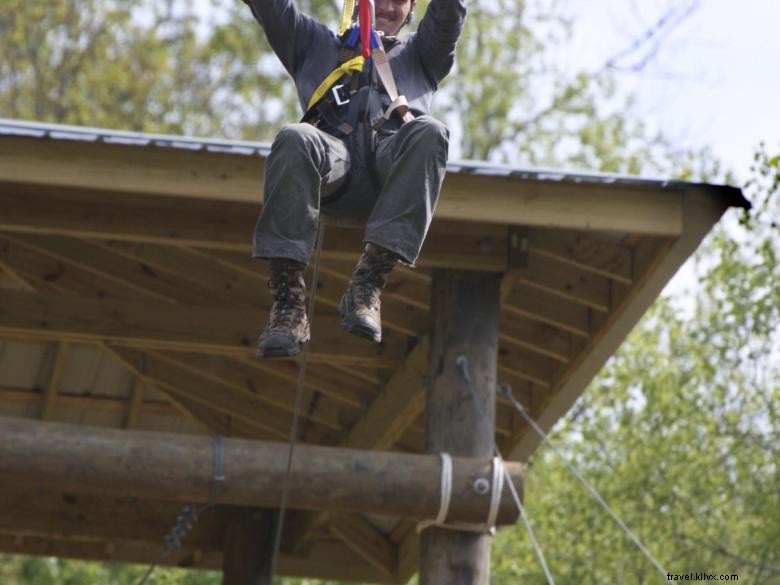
<point x="398" y="404"/>
<point x="460" y="416"/>
<point x="564" y="281"/>
<point x="149" y="325"/>
<point x="655" y="264"/>
<point x="224" y="178"/>
<point x="110" y="266"/>
<point x="13" y="278"/>
<point x="537" y="304"/>
<point x="248" y="546"/>
<point x="328" y="560"/>
<point x="90" y="402"/>
<point x="178" y="467"/>
<point x="589" y="251"/>
<point x="49" y="274"/>
<point x="48" y="511"/>
<point x="129" y="217"/>
<point x="366" y="541"/>
<point x="238" y="383"/>
<point x="215" y="396"/>
<point x="55" y="378"/>
<point x="136" y="400"/>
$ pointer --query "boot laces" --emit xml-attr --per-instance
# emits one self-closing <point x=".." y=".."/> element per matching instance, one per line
<point x="371" y="278"/>
<point x="287" y="310"/>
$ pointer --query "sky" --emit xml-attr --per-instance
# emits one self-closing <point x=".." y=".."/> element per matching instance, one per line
<point x="715" y="79"/>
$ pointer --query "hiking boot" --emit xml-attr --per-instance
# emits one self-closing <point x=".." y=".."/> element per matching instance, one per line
<point x="288" y="328"/>
<point x="360" y="306"/>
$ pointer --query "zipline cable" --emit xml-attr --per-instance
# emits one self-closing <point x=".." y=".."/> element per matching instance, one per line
<point x="298" y="401"/>
<point x="463" y="367"/>
<point x="507" y="392"/>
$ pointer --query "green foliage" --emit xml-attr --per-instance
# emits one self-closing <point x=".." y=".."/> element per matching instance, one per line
<point x="679" y="432"/>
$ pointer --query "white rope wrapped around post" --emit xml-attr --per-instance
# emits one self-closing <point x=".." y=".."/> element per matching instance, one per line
<point x="496" y="489"/>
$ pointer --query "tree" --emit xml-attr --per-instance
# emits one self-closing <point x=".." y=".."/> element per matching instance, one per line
<point x="159" y="67"/>
<point x="679" y="432"/>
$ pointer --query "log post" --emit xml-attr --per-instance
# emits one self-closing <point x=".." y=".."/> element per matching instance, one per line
<point x="248" y="546"/>
<point x="464" y="314"/>
<point x="180" y="468"/>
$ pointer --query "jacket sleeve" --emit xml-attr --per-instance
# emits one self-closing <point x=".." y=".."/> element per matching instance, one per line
<point x="288" y="29"/>
<point x="438" y="34"/>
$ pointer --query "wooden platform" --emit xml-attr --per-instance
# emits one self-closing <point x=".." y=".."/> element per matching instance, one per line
<point x="128" y="299"/>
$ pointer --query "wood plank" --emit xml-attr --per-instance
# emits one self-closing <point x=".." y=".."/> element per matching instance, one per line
<point x="136" y="400"/>
<point x="49" y="274"/>
<point x="248" y="548"/>
<point x="129" y="217"/>
<point x="225" y="399"/>
<point x="653" y="269"/>
<point x="55" y="378"/>
<point x="366" y="541"/>
<point x="587" y="251"/>
<point x="327" y="561"/>
<point x="89" y="402"/>
<point x="398" y="404"/>
<point x="113" y="267"/>
<point x="149" y="325"/>
<point x="223" y="177"/>
<point x="242" y="382"/>
<point x="532" y="303"/>
<point x="12" y="278"/>
<point x="537" y="337"/>
<point x="47" y="511"/>
<point x="564" y="281"/>
<point x="197" y="269"/>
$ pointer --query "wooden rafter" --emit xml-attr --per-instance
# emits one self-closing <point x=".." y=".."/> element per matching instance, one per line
<point x="149" y="325"/>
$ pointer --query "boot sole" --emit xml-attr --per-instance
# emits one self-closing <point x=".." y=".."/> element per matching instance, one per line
<point x="282" y="351"/>
<point x="360" y="330"/>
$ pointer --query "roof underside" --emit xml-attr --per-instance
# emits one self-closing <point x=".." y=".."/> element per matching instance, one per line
<point x="129" y="299"/>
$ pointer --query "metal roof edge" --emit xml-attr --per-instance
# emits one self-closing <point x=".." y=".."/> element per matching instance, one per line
<point x="732" y="196"/>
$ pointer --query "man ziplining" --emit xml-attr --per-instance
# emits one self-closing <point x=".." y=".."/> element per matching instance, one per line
<point x="362" y="151"/>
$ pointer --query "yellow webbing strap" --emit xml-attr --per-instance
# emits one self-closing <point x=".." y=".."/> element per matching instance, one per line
<point x="346" y="16"/>
<point x="355" y="64"/>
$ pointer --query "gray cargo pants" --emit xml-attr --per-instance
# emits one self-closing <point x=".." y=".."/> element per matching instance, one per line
<point x="307" y="166"/>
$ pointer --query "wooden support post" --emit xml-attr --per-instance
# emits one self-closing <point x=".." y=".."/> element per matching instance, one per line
<point x="464" y="321"/>
<point x="248" y="546"/>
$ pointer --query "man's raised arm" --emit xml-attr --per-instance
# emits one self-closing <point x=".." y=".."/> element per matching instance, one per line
<point x="286" y="28"/>
<point x="438" y="34"/>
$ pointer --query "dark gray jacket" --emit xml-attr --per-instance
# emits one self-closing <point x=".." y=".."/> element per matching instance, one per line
<point x="309" y="50"/>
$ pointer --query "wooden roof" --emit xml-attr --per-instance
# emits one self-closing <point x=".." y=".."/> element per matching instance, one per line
<point x="128" y="299"/>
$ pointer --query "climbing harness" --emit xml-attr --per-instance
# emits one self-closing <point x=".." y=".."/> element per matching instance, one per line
<point x="361" y="47"/>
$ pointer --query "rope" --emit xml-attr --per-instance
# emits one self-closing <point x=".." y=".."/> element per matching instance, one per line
<point x="462" y="363"/>
<point x="497" y="486"/>
<point x="507" y="392"/>
<point x="298" y="401"/>
<point x="189" y="515"/>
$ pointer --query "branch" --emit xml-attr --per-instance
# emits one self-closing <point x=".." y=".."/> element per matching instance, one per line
<point x="652" y="36"/>
<point x="719" y="549"/>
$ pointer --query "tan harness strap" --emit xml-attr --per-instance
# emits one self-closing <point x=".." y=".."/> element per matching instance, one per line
<point x="398" y="102"/>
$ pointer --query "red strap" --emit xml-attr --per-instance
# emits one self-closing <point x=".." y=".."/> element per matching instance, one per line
<point x="366" y="26"/>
